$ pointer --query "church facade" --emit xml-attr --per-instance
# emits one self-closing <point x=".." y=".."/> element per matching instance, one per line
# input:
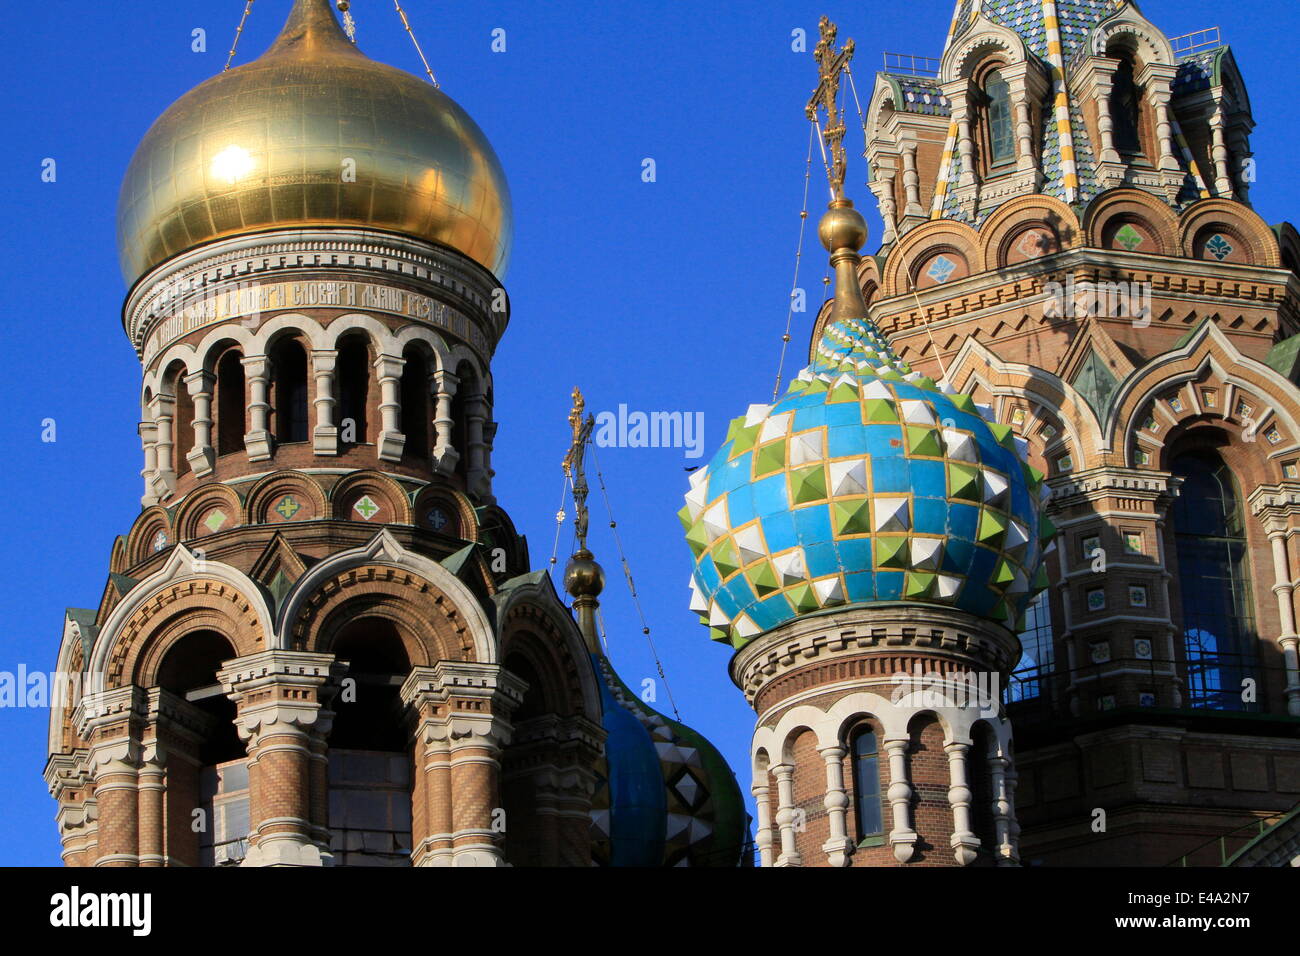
<point x="1069" y="241"/>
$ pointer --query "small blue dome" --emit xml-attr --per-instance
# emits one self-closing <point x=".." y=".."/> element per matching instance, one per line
<point x="865" y="484"/>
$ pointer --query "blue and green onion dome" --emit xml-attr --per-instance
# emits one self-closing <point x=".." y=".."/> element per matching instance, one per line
<point x="866" y="484"/>
<point x="664" y="795"/>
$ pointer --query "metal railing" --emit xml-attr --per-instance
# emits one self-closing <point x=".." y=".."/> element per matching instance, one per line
<point x="1244" y="833"/>
<point x="1198" y="40"/>
<point x="911" y="65"/>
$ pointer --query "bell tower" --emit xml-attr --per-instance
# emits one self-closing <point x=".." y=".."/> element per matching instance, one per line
<point x="866" y="544"/>
<point x="320" y="637"/>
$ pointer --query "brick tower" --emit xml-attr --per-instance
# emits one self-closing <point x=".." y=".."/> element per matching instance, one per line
<point x="865" y="544"/>
<point x="321" y="643"/>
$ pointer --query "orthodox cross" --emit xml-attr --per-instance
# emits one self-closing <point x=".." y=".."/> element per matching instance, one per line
<point x="573" y="469"/>
<point x="831" y="63"/>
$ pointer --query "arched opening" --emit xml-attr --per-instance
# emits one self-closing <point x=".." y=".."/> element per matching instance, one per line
<point x="1218" y="610"/>
<point x="214" y="779"/>
<point x="182" y="421"/>
<point x="1126" y="108"/>
<point x="354" y="390"/>
<point x="370" y="758"/>
<point x="230" y="403"/>
<point x="531" y="837"/>
<point x="869" y="814"/>
<point x="999" y="128"/>
<point x="416" y="417"/>
<point x="979" y="774"/>
<point x="289" y="391"/>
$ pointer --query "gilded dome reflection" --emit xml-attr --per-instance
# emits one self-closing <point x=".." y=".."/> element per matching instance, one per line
<point x="313" y="133"/>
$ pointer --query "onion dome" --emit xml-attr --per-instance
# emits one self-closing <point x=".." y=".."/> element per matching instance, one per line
<point x="867" y="484"/>
<point x="664" y="795"/>
<point x="313" y="133"/>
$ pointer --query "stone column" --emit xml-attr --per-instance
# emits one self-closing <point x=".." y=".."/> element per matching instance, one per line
<point x="445" y="455"/>
<point x="69" y="781"/>
<point x="258" y="440"/>
<point x="148" y="441"/>
<point x="461" y="711"/>
<point x="1284" y="588"/>
<point x="202" y="456"/>
<point x="911" y="181"/>
<point x="882" y="185"/>
<point x="388" y="370"/>
<point x="476" y="416"/>
<point x="965" y="843"/>
<point x="1239" y="143"/>
<point x="959" y="96"/>
<point x="280" y="696"/>
<point x="785" y="815"/>
<point x="1219" y="150"/>
<point x="763" y="831"/>
<point x="1158" y="79"/>
<point x="901" y="837"/>
<point x="839" y="847"/>
<point x="325" y="436"/>
<point x="111" y="723"/>
<point x="1003" y="811"/>
<point x="163" y="409"/>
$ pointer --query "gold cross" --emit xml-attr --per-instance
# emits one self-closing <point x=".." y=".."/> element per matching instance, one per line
<point x="573" y="464"/>
<point x="831" y="64"/>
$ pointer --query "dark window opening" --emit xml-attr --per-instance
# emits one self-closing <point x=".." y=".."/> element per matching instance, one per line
<point x="354" y="391"/>
<point x="230" y="403"/>
<point x="1126" y="109"/>
<point x="289" y="378"/>
<point x="868" y="801"/>
<point x="1001" y="132"/>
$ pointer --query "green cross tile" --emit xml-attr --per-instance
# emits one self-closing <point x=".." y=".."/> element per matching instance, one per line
<point x="366" y="507"/>
<point x="288" y="507"/>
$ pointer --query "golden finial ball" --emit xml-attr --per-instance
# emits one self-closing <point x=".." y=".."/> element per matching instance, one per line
<point x="842" y="228"/>
<point x="583" y="577"/>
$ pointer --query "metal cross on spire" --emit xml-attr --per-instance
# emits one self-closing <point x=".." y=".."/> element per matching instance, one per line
<point x="831" y="63"/>
<point x="573" y="464"/>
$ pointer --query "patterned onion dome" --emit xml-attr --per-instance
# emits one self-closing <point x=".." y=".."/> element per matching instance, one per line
<point x="866" y="484"/>
<point x="664" y="794"/>
<point x="313" y="133"/>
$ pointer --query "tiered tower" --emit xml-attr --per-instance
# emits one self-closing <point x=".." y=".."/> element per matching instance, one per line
<point x="865" y="544"/>
<point x="321" y="643"/>
<point x="1069" y="238"/>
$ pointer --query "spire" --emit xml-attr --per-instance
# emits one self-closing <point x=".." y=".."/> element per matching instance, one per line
<point x="842" y="230"/>
<point x="312" y="30"/>
<point x="583" y="577"/>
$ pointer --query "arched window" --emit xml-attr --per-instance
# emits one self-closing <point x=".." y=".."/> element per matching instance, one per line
<point x="1001" y="132"/>
<point x="369" y="751"/>
<point x="230" y="403"/>
<point x="289" y="378"/>
<point x="1214" y="578"/>
<point x="1126" y="109"/>
<point x="213" y="778"/>
<point x="354" y="390"/>
<point x="868" y="806"/>
<point x="416" y="419"/>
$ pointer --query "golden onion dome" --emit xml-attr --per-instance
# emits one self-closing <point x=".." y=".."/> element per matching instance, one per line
<point x="313" y="133"/>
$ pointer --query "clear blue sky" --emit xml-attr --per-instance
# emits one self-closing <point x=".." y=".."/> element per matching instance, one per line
<point x="664" y="296"/>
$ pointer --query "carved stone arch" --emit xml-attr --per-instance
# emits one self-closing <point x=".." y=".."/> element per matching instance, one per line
<point x="433" y="344"/>
<point x="378" y="593"/>
<point x="157" y="375"/>
<point x="1228" y="216"/>
<point x="1208" y="349"/>
<point x="1115" y="207"/>
<point x="118" y="556"/>
<point x="382" y="340"/>
<point x="802" y="719"/>
<point x="386" y="495"/>
<point x="975" y="363"/>
<point x="184" y="586"/>
<point x="216" y="342"/>
<point x="141" y="542"/>
<point x="983" y="40"/>
<point x="1135" y="33"/>
<point x="462" y="354"/>
<point x="884" y="100"/>
<point x="921" y="243"/>
<point x="288" y="323"/>
<point x="535" y="608"/>
<point x="70" y="664"/>
<point x="200" y="514"/>
<point x="1011" y="220"/>
<point x="456" y="510"/>
<point x="262" y="505"/>
<point x="445" y="601"/>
